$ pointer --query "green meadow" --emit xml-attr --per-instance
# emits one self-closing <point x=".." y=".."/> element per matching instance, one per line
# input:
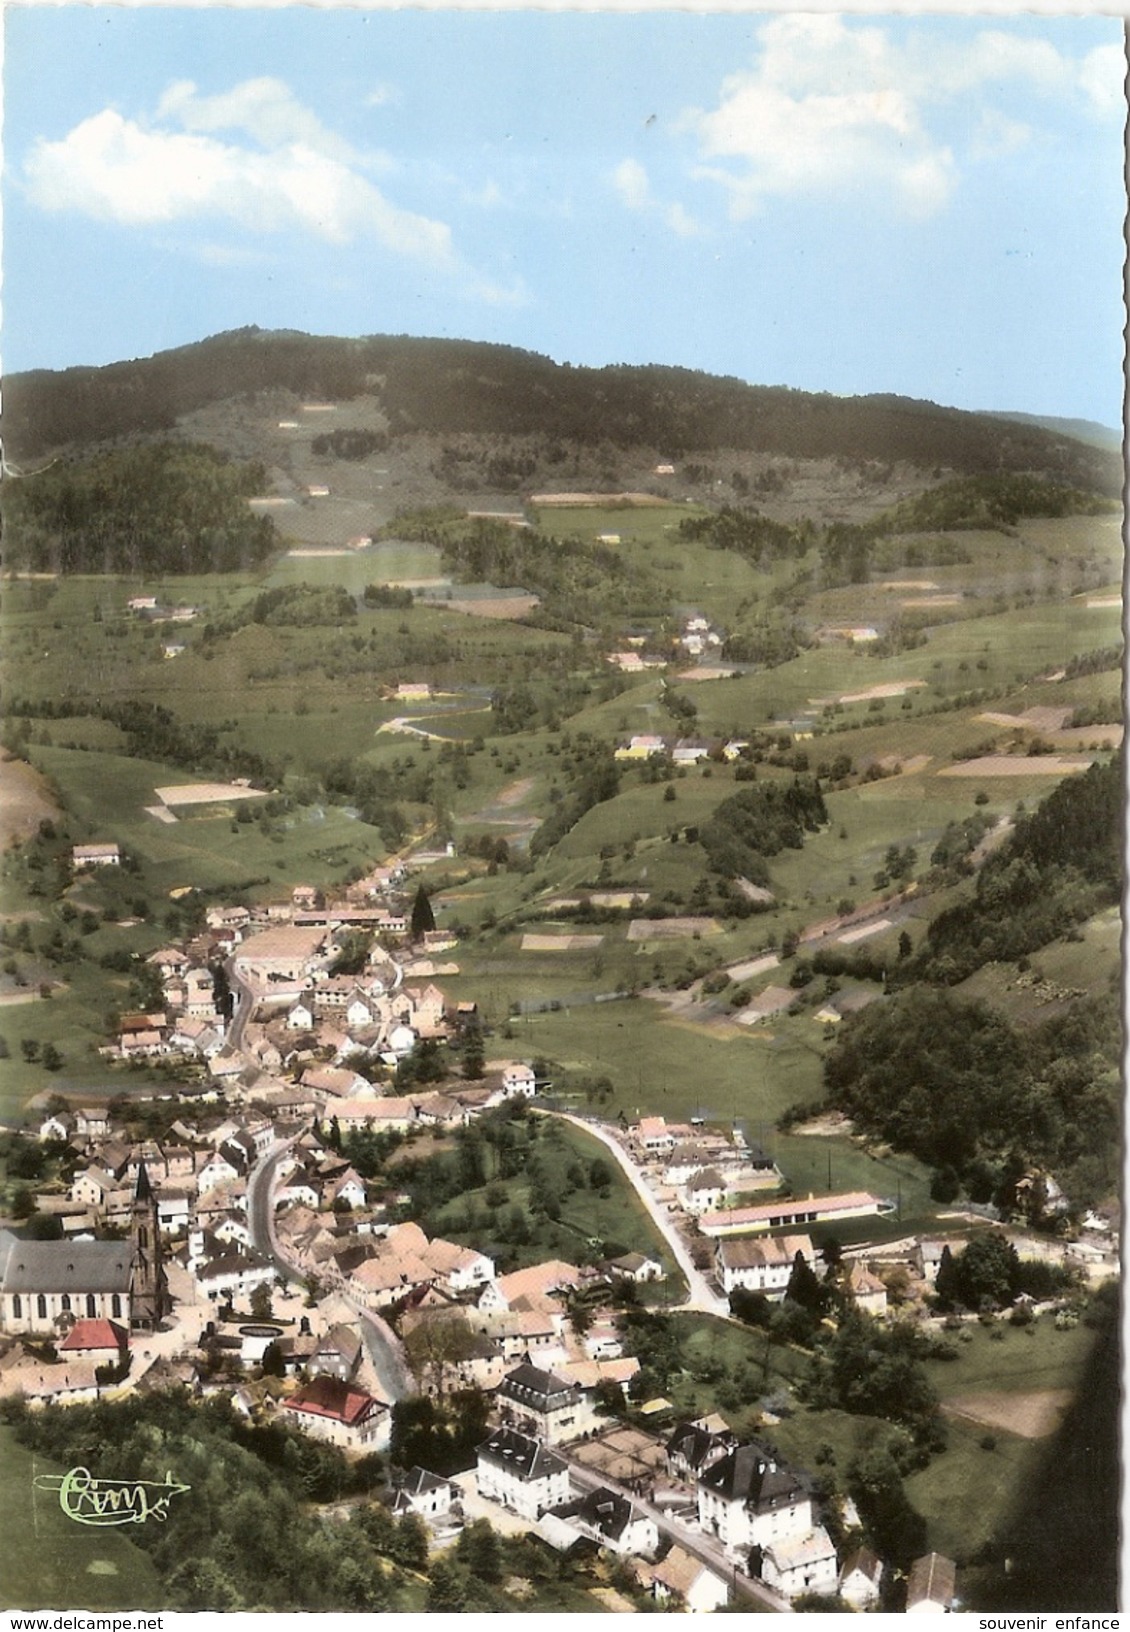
<point x="50" y="1562"/>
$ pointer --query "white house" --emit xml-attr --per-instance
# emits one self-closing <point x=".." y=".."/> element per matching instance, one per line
<point x="327" y="1408"/>
<point x="749" y="1498"/>
<point x="861" y="1579"/>
<point x="96" y="855"/>
<point x="683" y="1578"/>
<point x="541" y="1403"/>
<point x="614" y="1522"/>
<point x="518" y="1080"/>
<point x="797" y="1564"/>
<point x="761" y="1264"/>
<point x="426" y="1494"/>
<point x="520" y="1474"/>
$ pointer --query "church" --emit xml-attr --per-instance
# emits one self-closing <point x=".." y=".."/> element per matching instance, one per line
<point x="47" y="1285"/>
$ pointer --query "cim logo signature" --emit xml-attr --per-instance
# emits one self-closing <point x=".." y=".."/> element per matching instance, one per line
<point x="88" y="1500"/>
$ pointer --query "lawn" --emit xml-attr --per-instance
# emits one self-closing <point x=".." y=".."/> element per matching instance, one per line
<point x="49" y="1562"/>
<point x="610" y="1213"/>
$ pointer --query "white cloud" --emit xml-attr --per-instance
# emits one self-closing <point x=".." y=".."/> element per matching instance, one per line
<point x="265" y="109"/>
<point x="829" y="109"/>
<point x="1102" y="77"/>
<point x="382" y="96"/>
<point x="300" y="176"/>
<point x="631" y="183"/>
<point x="681" y="222"/>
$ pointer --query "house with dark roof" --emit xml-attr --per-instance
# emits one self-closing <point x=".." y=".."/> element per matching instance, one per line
<point x="338" y="1353"/>
<point x="612" y="1521"/>
<point x="425" y="1493"/>
<point x="931" y="1585"/>
<point x="520" y="1474"/>
<point x="750" y="1498"/>
<point x="544" y="1405"/>
<point x="691" y="1448"/>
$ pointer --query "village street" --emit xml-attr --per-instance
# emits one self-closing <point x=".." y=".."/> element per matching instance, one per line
<point x="700" y="1295"/>
<point x="691" y="1541"/>
<point x="380" y="1342"/>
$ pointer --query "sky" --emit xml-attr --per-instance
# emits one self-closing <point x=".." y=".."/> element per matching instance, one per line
<point x="928" y="205"/>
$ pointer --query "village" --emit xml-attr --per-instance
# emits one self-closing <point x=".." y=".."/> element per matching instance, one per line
<point x="240" y="1251"/>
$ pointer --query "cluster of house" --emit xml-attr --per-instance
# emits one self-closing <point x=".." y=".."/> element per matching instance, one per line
<point x="189" y="1024"/>
<point x="679" y="750"/>
<point x="757" y="1513"/>
<point x="694" y="1169"/>
<point x="698" y="638"/>
<point x="706" y="1177"/>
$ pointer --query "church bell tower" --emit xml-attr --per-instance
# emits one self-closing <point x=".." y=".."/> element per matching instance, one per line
<point x="149" y="1289"/>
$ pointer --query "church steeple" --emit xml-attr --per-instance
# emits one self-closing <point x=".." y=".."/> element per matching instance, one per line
<point x="149" y="1289"/>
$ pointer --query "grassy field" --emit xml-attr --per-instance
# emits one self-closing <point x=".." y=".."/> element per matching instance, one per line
<point x="49" y="1562"/>
<point x="611" y="1213"/>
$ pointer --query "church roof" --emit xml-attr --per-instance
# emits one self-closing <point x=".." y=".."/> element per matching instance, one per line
<point x="68" y="1266"/>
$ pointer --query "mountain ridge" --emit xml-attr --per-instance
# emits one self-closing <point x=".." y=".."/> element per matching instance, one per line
<point x="451" y="386"/>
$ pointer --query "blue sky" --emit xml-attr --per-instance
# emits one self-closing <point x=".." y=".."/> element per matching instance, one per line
<point x="931" y="206"/>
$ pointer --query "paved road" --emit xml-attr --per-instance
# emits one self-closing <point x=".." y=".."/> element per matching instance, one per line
<point x="755" y="1593"/>
<point x="701" y="1295"/>
<point x="381" y="1343"/>
<point x="244" y="1005"/>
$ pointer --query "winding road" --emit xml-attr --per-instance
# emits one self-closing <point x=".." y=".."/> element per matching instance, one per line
<point x="701" y="1296"/>
<point x="381" y="1343"/>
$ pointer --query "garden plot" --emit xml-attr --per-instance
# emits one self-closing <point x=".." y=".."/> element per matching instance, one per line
<point x="888" y="688"/>
<point x="757" y="966"/>
<point x="864" y="931"/>
<point x="207" y="793"/>
<point x="670" y="929"/>
<point x="561" y="943"/>
<point x="1017" y="765"/>
<point x="1033" y="1415"/>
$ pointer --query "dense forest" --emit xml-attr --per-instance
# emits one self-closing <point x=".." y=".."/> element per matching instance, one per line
<point x="454" y="385"/>
<point x="169" y="508"/>
<point x="577" y="581"/>
<point x="1060" y="864"/>
<point x="243" y="1536"/>
<point x="952" y="1080"/>
<point x="761" y="821"/>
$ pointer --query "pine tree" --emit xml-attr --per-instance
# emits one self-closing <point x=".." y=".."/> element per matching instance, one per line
<point x="423" y="918"/>
<point x="947" y="1282"/>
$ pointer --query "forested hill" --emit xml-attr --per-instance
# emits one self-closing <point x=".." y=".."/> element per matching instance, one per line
<point x="450" y="386"/>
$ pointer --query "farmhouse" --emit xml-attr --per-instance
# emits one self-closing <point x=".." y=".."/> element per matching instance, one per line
<point x="760" y="1265"/>
<point x="861" y="1579"/>
<point x="288" y="953"/>
<point x="96" y="855"/>
<point x="931" y="1585"/>
<point x="686" y="1580"/>
<point x="798" y="1564"/>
